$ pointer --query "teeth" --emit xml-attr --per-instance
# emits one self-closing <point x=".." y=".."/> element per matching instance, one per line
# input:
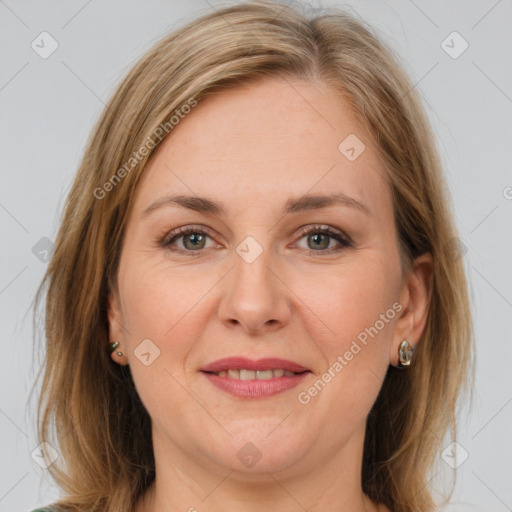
<point x="244" y="374"/>
<point x="234" y="374"/>
<point x="247" y="374"/>
<point x="264" y="374"/>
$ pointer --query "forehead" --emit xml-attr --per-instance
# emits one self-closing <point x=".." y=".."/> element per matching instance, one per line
<point x="263" y="142"/>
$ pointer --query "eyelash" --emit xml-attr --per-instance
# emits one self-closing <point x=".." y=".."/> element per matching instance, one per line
<point x="344" y="240"/>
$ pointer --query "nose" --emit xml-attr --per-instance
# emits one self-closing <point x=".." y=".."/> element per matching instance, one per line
<point x="254" y="297"/>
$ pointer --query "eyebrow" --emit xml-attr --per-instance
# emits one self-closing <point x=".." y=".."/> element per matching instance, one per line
<point x="294" y="205"/>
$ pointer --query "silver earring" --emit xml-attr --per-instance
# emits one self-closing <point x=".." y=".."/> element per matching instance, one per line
<point x="113" y="346"/>
<point x="405" y="352"/>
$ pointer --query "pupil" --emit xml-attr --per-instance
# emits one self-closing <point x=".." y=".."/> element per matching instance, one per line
<point x="315" y="237"/>
<point x="194" y="238"/>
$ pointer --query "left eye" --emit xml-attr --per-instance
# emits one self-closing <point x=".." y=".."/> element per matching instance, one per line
<point x="194" y="239"/>
<point x="320" y="236"/>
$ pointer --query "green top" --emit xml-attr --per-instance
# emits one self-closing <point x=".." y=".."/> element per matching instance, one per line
<point x="46" y="509"/>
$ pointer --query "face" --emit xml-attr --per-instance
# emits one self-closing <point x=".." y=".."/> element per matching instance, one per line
<point x="264" y="272"/>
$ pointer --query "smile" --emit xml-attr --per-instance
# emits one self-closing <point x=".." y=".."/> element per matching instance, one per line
<point x="242" y="374"/>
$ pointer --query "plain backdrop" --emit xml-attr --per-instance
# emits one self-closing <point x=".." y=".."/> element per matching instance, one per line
<point x="48" y="106"/>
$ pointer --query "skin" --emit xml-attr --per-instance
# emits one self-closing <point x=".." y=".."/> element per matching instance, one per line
<point x="253" y="147"/>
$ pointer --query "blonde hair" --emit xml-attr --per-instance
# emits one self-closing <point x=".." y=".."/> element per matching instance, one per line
<point x="89" y="407"/>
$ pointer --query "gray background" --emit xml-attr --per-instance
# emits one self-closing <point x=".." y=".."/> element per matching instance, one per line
<point x="48" y="106"/>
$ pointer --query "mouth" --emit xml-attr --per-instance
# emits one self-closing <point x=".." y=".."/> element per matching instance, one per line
<point x="244" y="374"/>
<point x="245" y="378"/>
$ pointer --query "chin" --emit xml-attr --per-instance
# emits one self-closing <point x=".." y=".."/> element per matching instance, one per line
<point x="256" y="451"/>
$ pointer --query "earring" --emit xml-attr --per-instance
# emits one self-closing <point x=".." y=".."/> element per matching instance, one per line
<point x="113" y="346"/>
<point x="405" y="352"/>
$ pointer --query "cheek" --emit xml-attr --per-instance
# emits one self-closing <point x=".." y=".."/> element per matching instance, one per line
<point x="165" y="304"/>
<point x="157" y="299"/>
<point x="353" y="303"/>
<point x="358" y="309"/>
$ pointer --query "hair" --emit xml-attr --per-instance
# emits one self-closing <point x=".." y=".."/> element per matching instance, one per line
<point x="88" y="406"/>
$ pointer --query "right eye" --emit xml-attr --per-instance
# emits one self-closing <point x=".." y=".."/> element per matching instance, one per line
<point x="193" y="239"/>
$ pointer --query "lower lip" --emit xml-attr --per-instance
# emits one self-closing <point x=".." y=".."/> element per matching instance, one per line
<point x="255" y="388"/>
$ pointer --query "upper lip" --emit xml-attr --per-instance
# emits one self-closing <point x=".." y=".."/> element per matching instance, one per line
<point x="267" y="363"/>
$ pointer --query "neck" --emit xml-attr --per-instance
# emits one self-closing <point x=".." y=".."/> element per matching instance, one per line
<point x="194" y="484"/>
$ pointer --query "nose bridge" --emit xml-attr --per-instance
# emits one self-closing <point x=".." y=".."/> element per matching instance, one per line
<point x="252" y="273"/>
<point x="253" y="266"/>
<point x="254" y="296"/>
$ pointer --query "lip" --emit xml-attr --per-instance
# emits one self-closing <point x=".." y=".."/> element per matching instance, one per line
<point x="268" y="363"/>
<point x="254" y="388"/>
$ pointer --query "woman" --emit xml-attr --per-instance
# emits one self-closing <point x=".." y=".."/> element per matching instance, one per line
<point x="254" y="299"/>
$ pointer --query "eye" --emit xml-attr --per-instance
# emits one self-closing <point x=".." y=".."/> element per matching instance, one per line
<point x="193" y="239"/>
<point x="319" y="238"/>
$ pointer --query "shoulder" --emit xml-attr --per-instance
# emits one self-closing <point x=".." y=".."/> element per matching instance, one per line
<point x="45" y="509"/>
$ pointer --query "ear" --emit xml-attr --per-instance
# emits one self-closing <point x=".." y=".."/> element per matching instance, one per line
<point x="115" y="328"/>
<point x="415" y="300"/>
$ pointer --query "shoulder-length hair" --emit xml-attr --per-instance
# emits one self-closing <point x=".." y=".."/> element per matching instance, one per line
<point x="89" y="407"/>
